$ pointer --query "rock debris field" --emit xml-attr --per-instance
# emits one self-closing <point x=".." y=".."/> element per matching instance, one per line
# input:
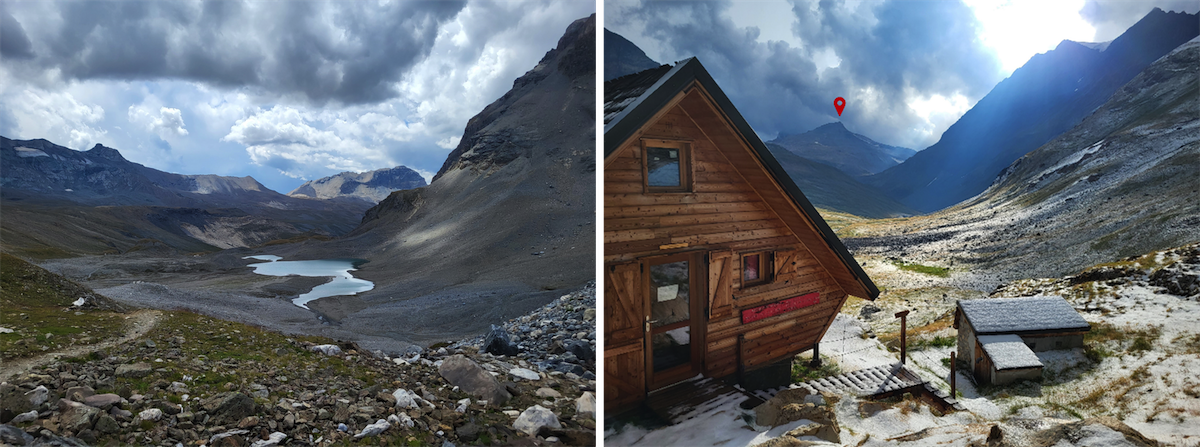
<point x="195" y="380"/>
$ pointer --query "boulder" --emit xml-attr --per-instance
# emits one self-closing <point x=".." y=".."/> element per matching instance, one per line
<point x="822" y="431"/>
<point x="583" y="350"/>
<point x="29" y="416"/>
<point x="468" y="376"/>
<point x="327" y="349"/>
<point x="547" y="393"/>
<point x="152" y="414"/>
<point x="534" y="418"/>
<point x="788" y="441"/>
<point x="378" y="427"/>
<point x="74" y="416"/>
<point x="38" y="396"/>
<point x="273" y="439"/>
<point x="106" y="424"/>
<point x="102" y="401"/>
<point x="497" y="342"/>
<point x="228" y="408"/>
<point x="13" y="401"/>
<point x="136" y="370"/>
<point x="405" y="399"/>
<point x="79" y="393"/>
<point x="10" y="435"/>
<point x="793" y="405"/>
<point x="526" y="374"/>
<point x="585" y="405"/>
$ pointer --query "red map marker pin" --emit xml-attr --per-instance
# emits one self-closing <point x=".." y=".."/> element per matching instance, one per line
<point x="839" y="104"/>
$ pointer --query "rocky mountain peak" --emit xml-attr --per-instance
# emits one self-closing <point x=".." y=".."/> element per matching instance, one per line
<point x="105" y="152"/>
<point x="573" y="59"/>
<point x="371" y="186"/>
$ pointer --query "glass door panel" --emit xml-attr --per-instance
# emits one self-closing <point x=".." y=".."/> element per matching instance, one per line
<point x="670" y="315"/>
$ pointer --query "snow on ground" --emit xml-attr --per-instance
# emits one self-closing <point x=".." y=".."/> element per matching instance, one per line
<point x="722" y="428"/>
<point x="1153" y="389"/>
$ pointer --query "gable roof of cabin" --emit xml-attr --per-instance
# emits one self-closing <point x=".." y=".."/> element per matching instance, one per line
<point x="632" y="100"/>
<point x="1022" y="315"/>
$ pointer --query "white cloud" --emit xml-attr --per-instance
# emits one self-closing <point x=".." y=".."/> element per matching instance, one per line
<point x="1019" y="29"/>
<point x="55" y="116"/>
<point x="303" y="144"/>
<point x="449" y="142"/>
<point x="168" y="122"/>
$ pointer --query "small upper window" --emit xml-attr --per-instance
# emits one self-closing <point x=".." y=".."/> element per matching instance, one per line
<point x="756" y="268"/>
<point x="667" y="167"/>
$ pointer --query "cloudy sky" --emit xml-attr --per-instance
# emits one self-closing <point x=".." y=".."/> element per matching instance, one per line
<point x="282" y="91"/>
<point x="907" y="69"/>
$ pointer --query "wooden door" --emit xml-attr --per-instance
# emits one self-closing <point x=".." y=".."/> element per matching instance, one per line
<point x="674" y="318"/>
<point x="980" y="368"/>
<point x="624" y="355"/>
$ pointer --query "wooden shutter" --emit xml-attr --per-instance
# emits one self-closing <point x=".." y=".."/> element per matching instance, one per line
<point x="623" y="306"/>
<point x="720" y="283"/>
<point x="785" y="263"/>
<point x="624" y="356"/>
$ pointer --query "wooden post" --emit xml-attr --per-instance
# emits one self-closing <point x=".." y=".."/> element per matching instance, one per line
<point x="952" y="376"/>
<point x="903" y="316"/>
<point x="816" y="360"/>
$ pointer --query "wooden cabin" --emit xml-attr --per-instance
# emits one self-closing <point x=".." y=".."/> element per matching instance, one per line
<point x="715" y="263"/>
<point x="999" y="338"/>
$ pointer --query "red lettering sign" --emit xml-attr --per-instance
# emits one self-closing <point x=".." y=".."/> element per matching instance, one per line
<point x="778" y="307"/>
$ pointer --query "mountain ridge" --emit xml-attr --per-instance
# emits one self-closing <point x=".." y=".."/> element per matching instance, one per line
<point x="1042" y="99"/>
<point x="849" y="152"/>
<point x="370" y="186"/>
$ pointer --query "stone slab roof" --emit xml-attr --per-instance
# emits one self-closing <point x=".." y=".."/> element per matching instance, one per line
<point x="1009" y="352"/>
<point x="1026" y="314"/>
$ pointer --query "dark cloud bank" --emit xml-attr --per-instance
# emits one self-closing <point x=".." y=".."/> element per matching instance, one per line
<point x="895" y="49"/>
<point x="347" y="52"/>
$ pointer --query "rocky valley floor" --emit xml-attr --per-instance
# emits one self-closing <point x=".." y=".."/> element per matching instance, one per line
<point x="192" y="379"/>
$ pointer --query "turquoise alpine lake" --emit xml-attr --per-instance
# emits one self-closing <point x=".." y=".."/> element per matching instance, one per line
<point x="343" y="282"/>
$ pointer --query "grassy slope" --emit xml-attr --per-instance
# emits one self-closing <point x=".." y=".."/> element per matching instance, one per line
<point x="36" y="305"/>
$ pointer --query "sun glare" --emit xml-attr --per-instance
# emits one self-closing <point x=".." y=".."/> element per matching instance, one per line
<point x="1019" y="29"/>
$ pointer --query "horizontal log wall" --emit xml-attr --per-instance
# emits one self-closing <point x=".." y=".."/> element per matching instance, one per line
<point x="722" y="210"/>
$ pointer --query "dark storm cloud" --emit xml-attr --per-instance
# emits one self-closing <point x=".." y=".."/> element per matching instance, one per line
<point x="14" y="44"/>
<point x="896" y="50"/>
<point x="350" y="52"/>
<point x="1113" y="17"/>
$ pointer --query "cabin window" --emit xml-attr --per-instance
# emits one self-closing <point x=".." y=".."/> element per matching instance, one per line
<point x="667" y="166"/>
<point x="756" y="268"/>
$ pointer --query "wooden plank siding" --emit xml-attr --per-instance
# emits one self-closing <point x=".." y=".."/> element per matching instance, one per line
<point x="734" y="207"/>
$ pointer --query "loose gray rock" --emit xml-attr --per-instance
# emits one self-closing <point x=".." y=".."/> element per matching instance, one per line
<point x="378" y="427"/>
<point x="152" y="414"/>
<point x="534" y="418"/>
<point x="327" y="349"/>
<point x="497" y="342"/>
<point x="547" y="393"/>
<point x="526" y="374"/>
<point x="585" y="405"/>
<point x="136" y="370"/>
<point x="228" y="408"/>
<point x="273" y="439"/>
<point x="74" y="416"/>
<point x="31" y="416"/>
<point x="102" y="401"/>
<point x="467" y="375"/>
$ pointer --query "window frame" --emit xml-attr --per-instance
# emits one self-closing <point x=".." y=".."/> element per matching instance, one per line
<point x="766" y="268"/>
<point x="685" y="165"/>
